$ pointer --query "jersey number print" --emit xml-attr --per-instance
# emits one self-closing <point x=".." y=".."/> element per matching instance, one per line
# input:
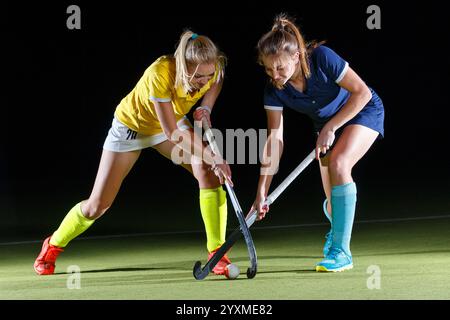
<point x="131" y="135"/>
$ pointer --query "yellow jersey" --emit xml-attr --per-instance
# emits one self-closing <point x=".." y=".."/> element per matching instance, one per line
<point x="137" y="110"/>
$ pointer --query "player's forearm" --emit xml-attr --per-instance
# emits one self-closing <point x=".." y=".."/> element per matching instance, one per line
<point x="210" y="97"/>
<point x="264" y="185"/>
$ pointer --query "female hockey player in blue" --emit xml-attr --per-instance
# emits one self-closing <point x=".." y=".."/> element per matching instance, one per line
<point x="347" y="115"/>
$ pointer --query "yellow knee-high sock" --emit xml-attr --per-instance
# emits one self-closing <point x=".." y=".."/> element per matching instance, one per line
<point x="223" y="212"/>
<point x="73" y="225"/>
<point x="213" y="206"/>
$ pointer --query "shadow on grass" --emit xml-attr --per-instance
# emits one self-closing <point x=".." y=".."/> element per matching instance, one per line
<point x="289" y="271"/>
<point x="121" y="269"/>
<point x="243" y="277"/>
<point x="274" y="257"/>
<point x="186" y="266"/>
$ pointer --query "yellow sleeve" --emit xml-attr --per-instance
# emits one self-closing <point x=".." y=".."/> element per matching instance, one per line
<point x="160" y="84"/>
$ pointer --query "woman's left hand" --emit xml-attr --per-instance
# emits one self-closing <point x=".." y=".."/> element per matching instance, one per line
<point x="324" y="141"/>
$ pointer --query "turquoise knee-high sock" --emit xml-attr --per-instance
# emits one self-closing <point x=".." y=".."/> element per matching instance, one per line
<point x="343" y="203"/>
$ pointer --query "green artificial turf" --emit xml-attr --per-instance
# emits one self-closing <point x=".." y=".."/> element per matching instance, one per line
<point x="411" y="256"/>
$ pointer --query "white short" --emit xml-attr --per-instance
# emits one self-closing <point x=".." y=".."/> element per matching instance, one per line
<point x="122" y="139"/>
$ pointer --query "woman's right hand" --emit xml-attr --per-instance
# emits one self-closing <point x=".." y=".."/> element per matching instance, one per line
<point x="260" y="207"/>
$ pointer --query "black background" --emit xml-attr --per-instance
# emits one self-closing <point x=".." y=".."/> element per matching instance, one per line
<point x="61" y="88"/>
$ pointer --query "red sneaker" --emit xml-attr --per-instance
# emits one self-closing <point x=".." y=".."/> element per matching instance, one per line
<point x="219" y="269"/>
<point x="45" y="262"/>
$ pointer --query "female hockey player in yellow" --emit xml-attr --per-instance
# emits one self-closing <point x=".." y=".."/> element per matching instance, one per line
<point x="153" y="115"/>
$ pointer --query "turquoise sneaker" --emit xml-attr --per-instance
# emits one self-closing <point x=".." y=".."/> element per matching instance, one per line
<point x="328" y="242"/>
<point x="336" y="261"/>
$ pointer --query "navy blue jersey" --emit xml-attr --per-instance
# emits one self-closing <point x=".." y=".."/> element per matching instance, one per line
<point x="323" y="97"/>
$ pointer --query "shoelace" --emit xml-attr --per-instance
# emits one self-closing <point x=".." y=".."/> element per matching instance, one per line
<point x="53" y="254"/>
<point x="333" y="253"/>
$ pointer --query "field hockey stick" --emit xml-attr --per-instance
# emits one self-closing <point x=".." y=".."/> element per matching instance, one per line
<point x="199" y="272"/>
<point x="251" y="271"/>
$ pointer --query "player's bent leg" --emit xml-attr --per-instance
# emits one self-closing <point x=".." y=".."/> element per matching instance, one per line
<point x="212" y="198"/>
<point x="350" y="148"/>
<point x="112" y="170"/>
<point x="213" y="207"/>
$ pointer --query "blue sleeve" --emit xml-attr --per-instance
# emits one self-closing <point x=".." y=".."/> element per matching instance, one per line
<point x="330" y="63"/>
<point x="271" y="100"/>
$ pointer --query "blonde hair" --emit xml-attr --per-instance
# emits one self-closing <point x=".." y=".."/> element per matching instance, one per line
<point x="193" y="49"/>
<point x="285" y="36"/>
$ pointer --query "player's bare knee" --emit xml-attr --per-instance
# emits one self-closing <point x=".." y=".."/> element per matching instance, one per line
<point x="338" y="165"/>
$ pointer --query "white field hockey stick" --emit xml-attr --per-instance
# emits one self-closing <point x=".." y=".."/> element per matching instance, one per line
<point x="251" y="271"/>
<point x="283" y="185"/>
<point x="201" y="273"/>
